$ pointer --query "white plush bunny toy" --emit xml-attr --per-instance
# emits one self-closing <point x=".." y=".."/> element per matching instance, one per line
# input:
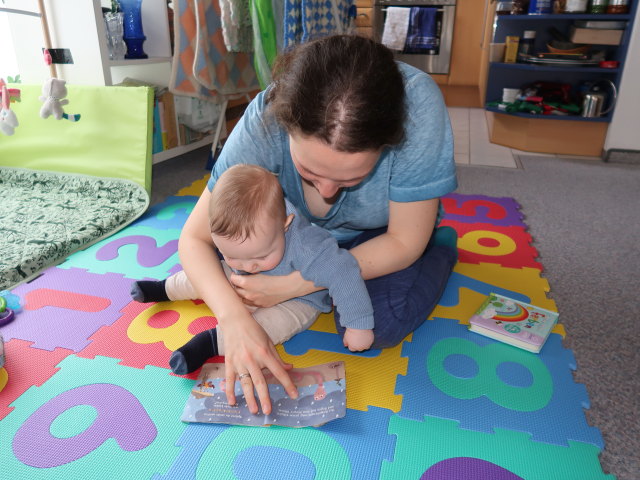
<point x="53" y="93"/>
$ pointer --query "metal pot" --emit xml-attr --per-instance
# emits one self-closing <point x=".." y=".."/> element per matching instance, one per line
<point x="594" y="100"/>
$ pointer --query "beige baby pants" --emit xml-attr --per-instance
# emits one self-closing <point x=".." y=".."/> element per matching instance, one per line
<point x="280" y="322"/>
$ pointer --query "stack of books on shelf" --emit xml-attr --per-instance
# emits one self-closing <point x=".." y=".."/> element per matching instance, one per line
<point x="177" y="120"/>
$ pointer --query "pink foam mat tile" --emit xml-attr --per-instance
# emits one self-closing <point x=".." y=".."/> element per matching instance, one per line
<point x="147" y="333"/>
<point x="509" y="246"/>
<point x="26" y="367"/>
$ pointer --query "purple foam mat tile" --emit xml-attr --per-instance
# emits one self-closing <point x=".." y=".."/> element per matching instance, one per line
<point x="64" y="307"/>
<point x="502" y="211"/>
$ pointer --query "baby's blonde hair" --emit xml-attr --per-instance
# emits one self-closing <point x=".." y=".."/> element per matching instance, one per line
<point x="242" y="194"/>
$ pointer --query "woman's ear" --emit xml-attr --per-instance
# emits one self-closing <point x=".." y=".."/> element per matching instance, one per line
<point x="288" y="221"/>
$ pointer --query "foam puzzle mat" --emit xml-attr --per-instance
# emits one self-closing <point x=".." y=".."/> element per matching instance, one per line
<point x="86" y="391"/>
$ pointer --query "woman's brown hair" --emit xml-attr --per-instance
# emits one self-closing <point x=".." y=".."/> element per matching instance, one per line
<point x="345" y="90"/>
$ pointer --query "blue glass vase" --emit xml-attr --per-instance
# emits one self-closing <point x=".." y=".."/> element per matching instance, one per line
<point x="132" y="22"/>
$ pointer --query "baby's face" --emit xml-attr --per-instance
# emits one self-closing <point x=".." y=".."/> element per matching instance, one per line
<point x="261" y="252"/>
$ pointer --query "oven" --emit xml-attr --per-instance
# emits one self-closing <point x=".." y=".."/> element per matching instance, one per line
<point x="433" y="60"/>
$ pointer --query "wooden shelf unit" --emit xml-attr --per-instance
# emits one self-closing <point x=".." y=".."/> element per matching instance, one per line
<point x="550" y="133"/>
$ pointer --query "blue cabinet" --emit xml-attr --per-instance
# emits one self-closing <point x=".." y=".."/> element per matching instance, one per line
<point x="517" y="75"/>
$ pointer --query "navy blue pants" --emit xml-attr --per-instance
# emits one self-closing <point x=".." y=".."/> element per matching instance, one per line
<point x="403" y="300"/>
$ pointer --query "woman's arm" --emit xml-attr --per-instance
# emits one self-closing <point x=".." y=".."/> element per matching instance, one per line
<point x="248" y="349"/>
<point x="409" y="231"/>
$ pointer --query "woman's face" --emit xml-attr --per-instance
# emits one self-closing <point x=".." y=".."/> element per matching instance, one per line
<point x="329" y="170"/>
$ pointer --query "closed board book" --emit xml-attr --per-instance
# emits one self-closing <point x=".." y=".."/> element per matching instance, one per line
<point x="516" y="323"/>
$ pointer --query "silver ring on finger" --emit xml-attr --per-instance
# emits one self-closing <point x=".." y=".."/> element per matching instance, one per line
<point x="244" y="375"/>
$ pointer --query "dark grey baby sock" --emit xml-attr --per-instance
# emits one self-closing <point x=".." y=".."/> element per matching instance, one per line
<point x="145" y="291"/>
<point x="192" y="355"/>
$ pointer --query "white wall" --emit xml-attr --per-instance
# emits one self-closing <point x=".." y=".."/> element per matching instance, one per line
<point x="78" y="25"/>
<point x="71" y="25"/>
<point x="623" y="130"/>
<point x="8" y="63"/>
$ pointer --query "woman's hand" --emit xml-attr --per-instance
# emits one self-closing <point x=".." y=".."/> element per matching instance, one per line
<point x="248" y="347"/>
<point x="265" y="291"/>
<point x="248" y="350"/>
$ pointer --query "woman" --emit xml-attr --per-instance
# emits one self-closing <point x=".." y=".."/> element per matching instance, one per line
<point x="362" y="146"/>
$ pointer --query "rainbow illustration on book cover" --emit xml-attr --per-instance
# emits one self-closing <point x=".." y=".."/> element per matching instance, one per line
<point x="517" y="323"/>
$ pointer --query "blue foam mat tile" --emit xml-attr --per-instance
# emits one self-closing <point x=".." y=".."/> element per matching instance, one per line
<point x="314" y="340"/>
<point x="352" y="447"/>
<point x="170" y="214"/>
<point x="484" y="384"/>
<point x="136" y="251"/>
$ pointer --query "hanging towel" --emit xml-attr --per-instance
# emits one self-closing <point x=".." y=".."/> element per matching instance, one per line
<point x="202" y="67"/>
<point x="306" y="20"/>
<point x="396" y="27"/>
<point x="237" y="29"/>
<point x="422" y="33"/>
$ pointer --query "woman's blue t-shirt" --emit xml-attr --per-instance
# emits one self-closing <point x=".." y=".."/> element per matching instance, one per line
<point x="420" y="168"/>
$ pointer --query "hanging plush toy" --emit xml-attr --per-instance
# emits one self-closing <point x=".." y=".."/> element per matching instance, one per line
<point x="8" y="119"/>
<point x="53" y="96"/>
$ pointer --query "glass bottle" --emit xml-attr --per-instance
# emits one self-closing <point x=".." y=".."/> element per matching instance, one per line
<point x="576" y="6"/>
<point x="618" y="6"/>
<point x="598" y="6"/>
<point x="525" y="47"/>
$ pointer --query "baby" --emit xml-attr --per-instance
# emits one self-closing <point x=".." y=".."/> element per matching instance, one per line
<point x="255" y="229"/>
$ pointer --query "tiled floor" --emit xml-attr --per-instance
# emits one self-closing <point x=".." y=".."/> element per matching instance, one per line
<point x="472" y="146"/>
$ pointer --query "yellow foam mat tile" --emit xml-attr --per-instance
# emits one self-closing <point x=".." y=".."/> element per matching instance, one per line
<point x="370" y="381"/>
<point x="526" y="281"/>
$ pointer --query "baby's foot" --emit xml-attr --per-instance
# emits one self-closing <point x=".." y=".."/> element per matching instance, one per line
<point x="192" y="355"/>
<point x="145" y="291"/>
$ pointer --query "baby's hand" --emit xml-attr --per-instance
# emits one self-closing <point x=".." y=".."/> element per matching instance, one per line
<point x="357" y="340"/>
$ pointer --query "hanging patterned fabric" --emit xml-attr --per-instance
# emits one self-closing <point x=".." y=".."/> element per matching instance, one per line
<point x="306" y="20"/>
<point x="202" y="65"/>
<point x="237" y="28"/>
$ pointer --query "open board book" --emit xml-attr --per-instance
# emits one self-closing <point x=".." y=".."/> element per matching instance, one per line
<point x="321" y="398"/>
<point x="511" y="321"/>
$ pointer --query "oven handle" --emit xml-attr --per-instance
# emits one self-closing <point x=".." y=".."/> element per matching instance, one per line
<point x="384" y="9"/>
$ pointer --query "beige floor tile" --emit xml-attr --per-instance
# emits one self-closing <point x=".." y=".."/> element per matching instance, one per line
<point x="461" y="141"/>
<point x="481" y="151"/>
<point x="461" y="158"/>
<point x="532" y="154"/>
